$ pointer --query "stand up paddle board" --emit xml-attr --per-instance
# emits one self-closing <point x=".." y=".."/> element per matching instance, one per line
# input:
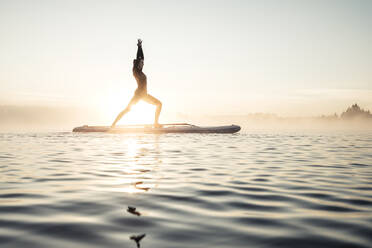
<point x="164" y="128"/>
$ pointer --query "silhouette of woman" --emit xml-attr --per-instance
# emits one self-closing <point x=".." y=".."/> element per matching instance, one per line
<point x="141" y="91"/>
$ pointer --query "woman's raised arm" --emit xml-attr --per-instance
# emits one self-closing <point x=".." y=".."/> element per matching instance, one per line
<point x="139" y="50"/>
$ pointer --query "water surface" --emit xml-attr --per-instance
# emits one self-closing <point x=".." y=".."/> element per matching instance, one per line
<point x="262" y="189"/>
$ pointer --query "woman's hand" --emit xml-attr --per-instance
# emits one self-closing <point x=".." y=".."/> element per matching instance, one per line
<point x="139" y="42"/>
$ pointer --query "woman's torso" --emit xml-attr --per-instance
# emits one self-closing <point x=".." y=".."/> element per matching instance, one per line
<point x="141" y="81"/>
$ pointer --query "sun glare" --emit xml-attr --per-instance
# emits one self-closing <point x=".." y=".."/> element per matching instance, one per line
<point x="141" y="113"/>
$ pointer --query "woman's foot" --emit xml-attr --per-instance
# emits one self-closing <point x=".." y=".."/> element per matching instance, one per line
<point x="157" y="125"/>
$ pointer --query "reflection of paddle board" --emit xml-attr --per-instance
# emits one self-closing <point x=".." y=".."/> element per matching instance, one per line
<point x="165" y="128"/>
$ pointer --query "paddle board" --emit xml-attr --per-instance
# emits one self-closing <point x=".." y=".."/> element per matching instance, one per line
<point x="165" y="128"/>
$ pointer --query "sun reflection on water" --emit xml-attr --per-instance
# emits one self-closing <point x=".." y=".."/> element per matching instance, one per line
<point x="139" y="167"/>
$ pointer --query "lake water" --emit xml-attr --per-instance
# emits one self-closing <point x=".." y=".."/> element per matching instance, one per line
<point x="260" y="189"/>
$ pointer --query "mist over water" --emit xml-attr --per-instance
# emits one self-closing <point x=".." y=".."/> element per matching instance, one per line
<point x="54" y="118"/>
<point x="252" y="189"/>
<point x="42" y="118"/>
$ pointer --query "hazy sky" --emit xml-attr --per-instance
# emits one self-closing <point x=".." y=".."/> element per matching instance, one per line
<point x="220" y="57"/>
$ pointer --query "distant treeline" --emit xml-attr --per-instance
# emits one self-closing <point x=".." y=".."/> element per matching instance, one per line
<point x="353" y="118"/>
<point x="352" y="113"/>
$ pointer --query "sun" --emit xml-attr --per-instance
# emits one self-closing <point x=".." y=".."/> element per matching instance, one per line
<point x="115" y="102"/>
<point x="141" y="113"/>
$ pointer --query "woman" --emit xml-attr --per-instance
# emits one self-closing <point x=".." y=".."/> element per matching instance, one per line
<point x="141" y="91"/>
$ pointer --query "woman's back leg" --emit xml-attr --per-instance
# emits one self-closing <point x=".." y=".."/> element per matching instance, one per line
<point x="152" y="100"/>
<point x="132" y="102"/>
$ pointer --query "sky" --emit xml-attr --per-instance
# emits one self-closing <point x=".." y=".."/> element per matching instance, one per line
<point x="293" y="58"/>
